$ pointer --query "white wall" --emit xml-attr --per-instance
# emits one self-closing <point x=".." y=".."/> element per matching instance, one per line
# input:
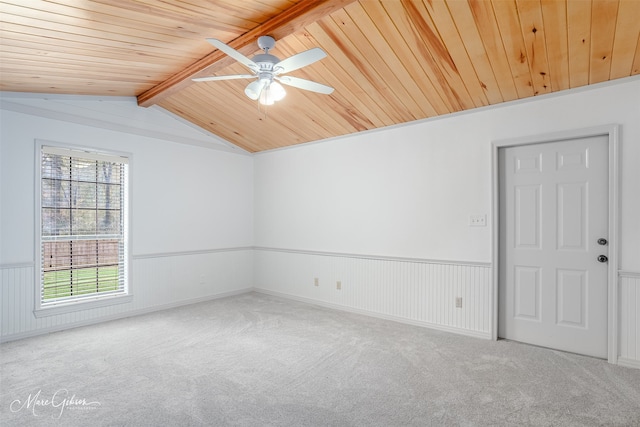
<point x="191" y="225"/>
<point x="183" y="197"/>
<point x="408" y="192"/>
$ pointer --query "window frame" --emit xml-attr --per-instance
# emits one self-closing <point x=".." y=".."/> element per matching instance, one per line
<point x="82" y="302"/>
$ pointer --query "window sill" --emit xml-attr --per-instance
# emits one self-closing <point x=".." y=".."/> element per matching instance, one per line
<point x="87" y="304"/>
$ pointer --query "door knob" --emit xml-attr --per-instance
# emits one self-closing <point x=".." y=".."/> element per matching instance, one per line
<point x="602" y="258"/>
<point x="602" y="241"/>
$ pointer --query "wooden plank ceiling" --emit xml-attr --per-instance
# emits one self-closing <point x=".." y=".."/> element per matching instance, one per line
<point x="390" y="61"/>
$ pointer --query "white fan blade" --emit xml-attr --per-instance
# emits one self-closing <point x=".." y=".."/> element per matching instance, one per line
<point x="232" y="77"/>
<point x="299" y="60"/>
<point x="305" y="84"/>
<point x="234" y="54"/>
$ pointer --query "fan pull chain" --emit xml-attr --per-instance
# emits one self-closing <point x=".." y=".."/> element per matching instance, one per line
<point x="261" y="110"/>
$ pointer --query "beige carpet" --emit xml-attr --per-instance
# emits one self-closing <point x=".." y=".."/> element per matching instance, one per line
<point x="258" y="360"/>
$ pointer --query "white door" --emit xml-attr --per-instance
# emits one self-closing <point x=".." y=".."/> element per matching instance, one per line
<point x="553" y="209"/>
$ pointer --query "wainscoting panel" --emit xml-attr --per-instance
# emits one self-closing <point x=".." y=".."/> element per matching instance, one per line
<point x="159" y="281"/>
<point x="420" y="292"/>
<point x="629" y="330"/>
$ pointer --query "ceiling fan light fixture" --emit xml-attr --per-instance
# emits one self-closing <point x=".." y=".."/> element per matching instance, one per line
<point x="277" y="91"/>
<point x="270" y="92"/>
<point x="266" y="98"/>
<point x="254" y="89"/>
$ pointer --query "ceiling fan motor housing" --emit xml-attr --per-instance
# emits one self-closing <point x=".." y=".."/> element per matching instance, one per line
<point x="265" y="61"/>
<point x="265" y="76"/>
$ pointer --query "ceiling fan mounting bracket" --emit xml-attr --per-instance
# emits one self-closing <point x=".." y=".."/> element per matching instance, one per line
<point x="266" y="43"/>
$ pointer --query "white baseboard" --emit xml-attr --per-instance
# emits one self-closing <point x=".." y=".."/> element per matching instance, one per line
<point x="466" y="332"/>
<point x="133" y="313"/>
<point x="629" y="363"/>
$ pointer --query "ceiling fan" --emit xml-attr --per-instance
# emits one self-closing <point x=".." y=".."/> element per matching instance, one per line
<point x="267" y="69"/>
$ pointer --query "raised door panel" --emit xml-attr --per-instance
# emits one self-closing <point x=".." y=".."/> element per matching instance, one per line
<point x="527" y="293"/>
<point x="572" y="216"/>
<point x="572" y="308"/>
<point x="527" y="216"/>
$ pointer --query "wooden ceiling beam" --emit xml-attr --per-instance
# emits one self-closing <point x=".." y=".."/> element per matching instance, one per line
<point x="288" y="22"/>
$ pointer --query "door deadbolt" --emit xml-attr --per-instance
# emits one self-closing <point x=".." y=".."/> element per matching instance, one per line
<point x="602" y="258"/>
<point x="602" y="241"/>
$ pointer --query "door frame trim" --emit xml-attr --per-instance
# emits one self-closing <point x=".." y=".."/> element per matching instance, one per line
<point x="612" y="131"/>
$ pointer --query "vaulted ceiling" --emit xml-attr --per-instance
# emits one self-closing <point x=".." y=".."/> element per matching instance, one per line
<point x="390" y="61"/>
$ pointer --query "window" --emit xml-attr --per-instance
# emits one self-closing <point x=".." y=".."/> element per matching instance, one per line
<point x="82" y="228"/>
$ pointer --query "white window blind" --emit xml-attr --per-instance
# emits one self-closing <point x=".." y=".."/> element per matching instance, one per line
<point x="83" y="217"/>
